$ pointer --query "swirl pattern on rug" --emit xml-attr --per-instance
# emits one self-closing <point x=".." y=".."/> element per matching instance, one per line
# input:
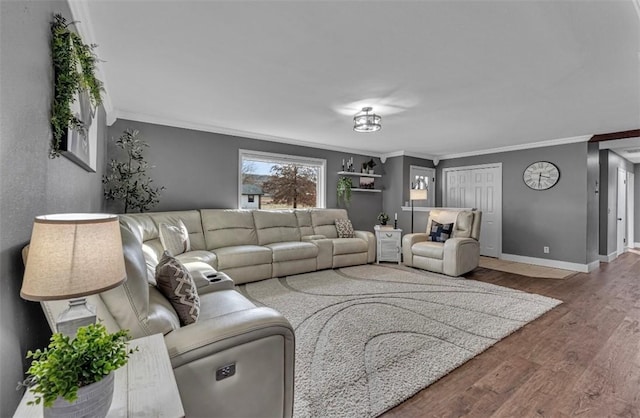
<point x="369" y="337"/>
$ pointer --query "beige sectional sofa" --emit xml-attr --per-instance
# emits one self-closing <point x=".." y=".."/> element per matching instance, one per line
<point x="230" y="330"/>
<point x="250" y="245"/>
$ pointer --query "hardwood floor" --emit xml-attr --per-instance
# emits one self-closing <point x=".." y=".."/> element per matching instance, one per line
<point x="580" y="359"/>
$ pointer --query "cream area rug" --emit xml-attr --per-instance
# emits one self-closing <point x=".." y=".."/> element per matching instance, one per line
<point x="523" y="269"/>
<point x="369" y="337"/>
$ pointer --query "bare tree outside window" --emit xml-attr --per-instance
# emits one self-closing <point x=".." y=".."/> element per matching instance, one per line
<point x="292" y="185"/>
<point x="280" y="181"/>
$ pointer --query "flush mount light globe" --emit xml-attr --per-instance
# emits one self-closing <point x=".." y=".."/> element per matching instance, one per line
<point x="366" y="122"/>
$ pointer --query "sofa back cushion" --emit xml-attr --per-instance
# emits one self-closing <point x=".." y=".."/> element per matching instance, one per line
<point x="324" y="221"/>
<point x="146" y="225"/>
<point x="129" y="303"/>
<point x="276" y="226"/>
<point x="304" y="222"/>
<point x="228" y="228"/>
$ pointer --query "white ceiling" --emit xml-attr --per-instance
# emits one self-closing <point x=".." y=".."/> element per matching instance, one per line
<point x="447" y="77"/>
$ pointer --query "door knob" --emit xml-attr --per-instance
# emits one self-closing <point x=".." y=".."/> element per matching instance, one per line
<point x="619" y="219"/>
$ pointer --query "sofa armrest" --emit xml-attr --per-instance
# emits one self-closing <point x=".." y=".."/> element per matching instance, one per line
<point x="312" y="237"/>
<point x="407" y="242"/>
<point x="195" y="341"/>
<point x="371" y="244"/>
<point x="461" y="255"/>
<point x="258" y="343"/>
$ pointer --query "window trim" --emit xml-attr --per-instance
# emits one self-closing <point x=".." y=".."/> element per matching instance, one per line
<point x="321" y="163"/>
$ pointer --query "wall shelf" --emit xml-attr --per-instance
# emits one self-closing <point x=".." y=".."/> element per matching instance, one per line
<point x="350" y="173"/>
<point x="355" y="189"/>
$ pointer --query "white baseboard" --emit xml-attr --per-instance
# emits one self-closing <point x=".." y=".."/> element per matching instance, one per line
<point x="583" y="268"/>
<point x="636" y="245"/>
<point x="608" y="258"/>
<point x="594" y="265"/>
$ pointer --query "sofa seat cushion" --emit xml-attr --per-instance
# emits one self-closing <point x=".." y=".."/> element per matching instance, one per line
<point x="198" y="256"/>
<point x="222" y="302"/>
<point x="293" y="250"/>
<point x="429" y="249"/>
<point x="242" y="255"/>
<point x="349" y="246"/>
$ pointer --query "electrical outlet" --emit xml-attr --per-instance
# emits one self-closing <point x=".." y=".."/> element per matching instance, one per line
<point x="546" y="250"/>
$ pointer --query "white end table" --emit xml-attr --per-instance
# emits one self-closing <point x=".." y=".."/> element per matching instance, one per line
<point x="145" y="387"/>
<point x="388" y="244"/>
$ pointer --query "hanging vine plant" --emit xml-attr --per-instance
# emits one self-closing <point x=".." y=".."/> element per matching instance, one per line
<point x="74" y="65"/>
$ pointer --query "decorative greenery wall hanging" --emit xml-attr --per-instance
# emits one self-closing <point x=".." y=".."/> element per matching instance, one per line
<point x="343" y="190"/>
<point x="74" y="65"/>
<point x="128" y="181"/>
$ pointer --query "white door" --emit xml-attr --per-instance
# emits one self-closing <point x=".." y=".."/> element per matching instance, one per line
<point x="630" y="210"/>
<point x="479" y="187"/>
<point x="621" y="211"/>
<point x="457" y="182"/>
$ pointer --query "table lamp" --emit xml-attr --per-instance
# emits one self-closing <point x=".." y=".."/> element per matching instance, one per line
<point x="71" y="256"/>
<point x="416" y="194"/>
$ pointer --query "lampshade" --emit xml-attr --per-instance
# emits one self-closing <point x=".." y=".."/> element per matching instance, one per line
<point x="417" y="194"/>
<point x="366" y="122"/>
<point x="73" y="255"/>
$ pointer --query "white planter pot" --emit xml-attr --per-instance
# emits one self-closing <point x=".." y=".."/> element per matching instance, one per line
<point x="93" y="401"/>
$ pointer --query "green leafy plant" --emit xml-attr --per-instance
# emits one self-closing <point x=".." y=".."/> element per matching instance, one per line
<point x="127" y="180"/>
<point x="74" y="65"/>
<point x="383" y="218"/>
<point x="68" y="364"/>
<point x="344" y="190"/>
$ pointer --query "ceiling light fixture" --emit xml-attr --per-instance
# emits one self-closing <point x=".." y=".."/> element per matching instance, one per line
<point x="366" y="122"/>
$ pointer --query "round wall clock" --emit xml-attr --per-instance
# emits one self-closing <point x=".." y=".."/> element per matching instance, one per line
<point x="541" y="175"/>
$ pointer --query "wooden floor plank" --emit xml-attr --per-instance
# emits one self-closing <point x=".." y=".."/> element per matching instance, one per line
<point x="581" y="359"/>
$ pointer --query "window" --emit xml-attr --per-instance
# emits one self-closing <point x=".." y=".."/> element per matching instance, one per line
<point x="426" y="176"/>
<point x="280" y="181"/>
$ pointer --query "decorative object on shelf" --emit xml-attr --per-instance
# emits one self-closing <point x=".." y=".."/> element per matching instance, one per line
<point x="416" y="194"/>
<point x="395" y="221"/>
<point x="73" y="376"/>
<point x="366" y="183"/>
<point x="370" y="165"/>
<point x="70" y="256"/>
<point x="541" y="175"/>
<point x="127" y="180"/>
<point x="348" y="165"/>
<point x="383" y="218"/>
<point x="366" y="122"/>
<point x="77" y="92"/>
<point x="344" y="190"/>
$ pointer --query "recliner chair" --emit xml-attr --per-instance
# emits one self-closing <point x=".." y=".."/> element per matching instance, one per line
<point x="454" y="257"/>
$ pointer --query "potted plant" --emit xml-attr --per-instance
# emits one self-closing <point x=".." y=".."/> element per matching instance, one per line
<point x="383" y="218"/>
<point x="127" y="181"/>
<point x="76" y="374"/>
<point x="370" y="164"/>
<point x="344" y="190"/>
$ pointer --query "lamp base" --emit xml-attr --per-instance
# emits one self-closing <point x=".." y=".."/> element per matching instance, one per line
<point x="78" y="314"/>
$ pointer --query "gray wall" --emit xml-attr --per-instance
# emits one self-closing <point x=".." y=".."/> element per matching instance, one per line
<point x="396" y="192"/>
<point x="533" y="219"/>
<point x="593" y="201"/>
<point x="200" y="169"/>
<point x="31" y="184"/>
<point x="636" y="207"/>
<point x="609" y="164"/>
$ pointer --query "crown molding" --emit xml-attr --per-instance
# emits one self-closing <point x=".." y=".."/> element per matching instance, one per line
<point x="177" y="123"/>
<point x="541" y="144"/>
<point x="403" y="153"/>
<point x="84" y="27"/>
